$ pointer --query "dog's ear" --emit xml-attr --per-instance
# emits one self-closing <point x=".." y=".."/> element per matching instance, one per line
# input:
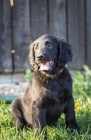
<point x="65" y="54"/>
<point x="32" y="58"/>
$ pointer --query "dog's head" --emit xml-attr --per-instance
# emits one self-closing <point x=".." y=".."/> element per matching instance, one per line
<point x="47" y="52"/>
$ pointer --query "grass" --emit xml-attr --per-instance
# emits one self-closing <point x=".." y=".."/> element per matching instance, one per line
<point x="82" y="96"/>
<point x="57" y="132"/>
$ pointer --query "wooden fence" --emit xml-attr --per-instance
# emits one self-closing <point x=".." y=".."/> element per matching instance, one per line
<point x="26" y="20"/>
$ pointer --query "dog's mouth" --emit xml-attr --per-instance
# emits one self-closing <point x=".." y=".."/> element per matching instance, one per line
<point x="46" y="66"/>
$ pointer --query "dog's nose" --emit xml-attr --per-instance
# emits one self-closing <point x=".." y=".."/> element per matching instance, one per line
<point x="40" y="57"/>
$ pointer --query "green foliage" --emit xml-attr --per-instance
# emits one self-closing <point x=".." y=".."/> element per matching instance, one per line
<point x="56" y="132"/>
<point x="82" y="83"/>
<point x="28" y="75"/>
<point x="87" y="77"/>
<point x="82" y="95"/>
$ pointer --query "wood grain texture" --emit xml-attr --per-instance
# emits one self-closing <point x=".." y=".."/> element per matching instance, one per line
<point x="38" y="18"/>
<point x="76" y="32"/>
<point x="21" y="34"/>
<point x="5" y="37"/>
<point x="88" y="32"/>
<point x="57" y="18"/>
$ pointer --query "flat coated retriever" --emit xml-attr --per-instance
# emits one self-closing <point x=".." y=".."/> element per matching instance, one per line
<point x="50" y="92"/>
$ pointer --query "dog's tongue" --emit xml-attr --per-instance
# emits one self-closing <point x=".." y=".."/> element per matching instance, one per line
<point x="45" y="65"/>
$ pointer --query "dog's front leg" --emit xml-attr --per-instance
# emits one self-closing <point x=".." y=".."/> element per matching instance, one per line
<point x="39" y="120"/>
<point x="70" y="115"/>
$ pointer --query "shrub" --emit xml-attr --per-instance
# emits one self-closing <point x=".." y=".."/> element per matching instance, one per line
<point x="82" y="84"/>
<point x="28" y="75"/>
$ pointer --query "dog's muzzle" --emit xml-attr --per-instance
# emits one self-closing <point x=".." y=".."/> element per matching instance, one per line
<point x="46" y="66"/>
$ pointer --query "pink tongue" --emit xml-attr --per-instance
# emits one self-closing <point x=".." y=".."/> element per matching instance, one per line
<point x="44" y="66"/>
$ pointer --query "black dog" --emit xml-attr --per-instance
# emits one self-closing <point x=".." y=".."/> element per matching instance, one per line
<point x="50" y="92"/>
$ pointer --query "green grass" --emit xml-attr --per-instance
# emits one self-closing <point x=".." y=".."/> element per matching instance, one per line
<point x="57" y="132"/>
<point x="82" y="96"/>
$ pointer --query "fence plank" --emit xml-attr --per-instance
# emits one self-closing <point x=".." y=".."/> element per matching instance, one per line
<point x="5" y="37"/>
<point x="88" y="32"/>
<point x="38" y="18"/>
<point x="76" y="32"/>
<point x="21" y="34"/>
<point x="57" y="18"/>
<point x="1" y="33"/>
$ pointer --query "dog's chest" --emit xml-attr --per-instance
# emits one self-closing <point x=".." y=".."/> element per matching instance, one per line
<point x="49" y="90"/>
<point x="50" y="95"/>
<point x="54" y="100"/>
<point x="53" y="92"/>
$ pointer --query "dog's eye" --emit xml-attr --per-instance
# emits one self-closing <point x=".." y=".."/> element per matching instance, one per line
<point x="49" y="45"/>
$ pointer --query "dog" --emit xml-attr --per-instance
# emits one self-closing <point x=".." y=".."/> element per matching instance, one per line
<point x="49" y="94"/>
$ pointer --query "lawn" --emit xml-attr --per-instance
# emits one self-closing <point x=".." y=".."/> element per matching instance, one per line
<point x="82" y="96"/>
